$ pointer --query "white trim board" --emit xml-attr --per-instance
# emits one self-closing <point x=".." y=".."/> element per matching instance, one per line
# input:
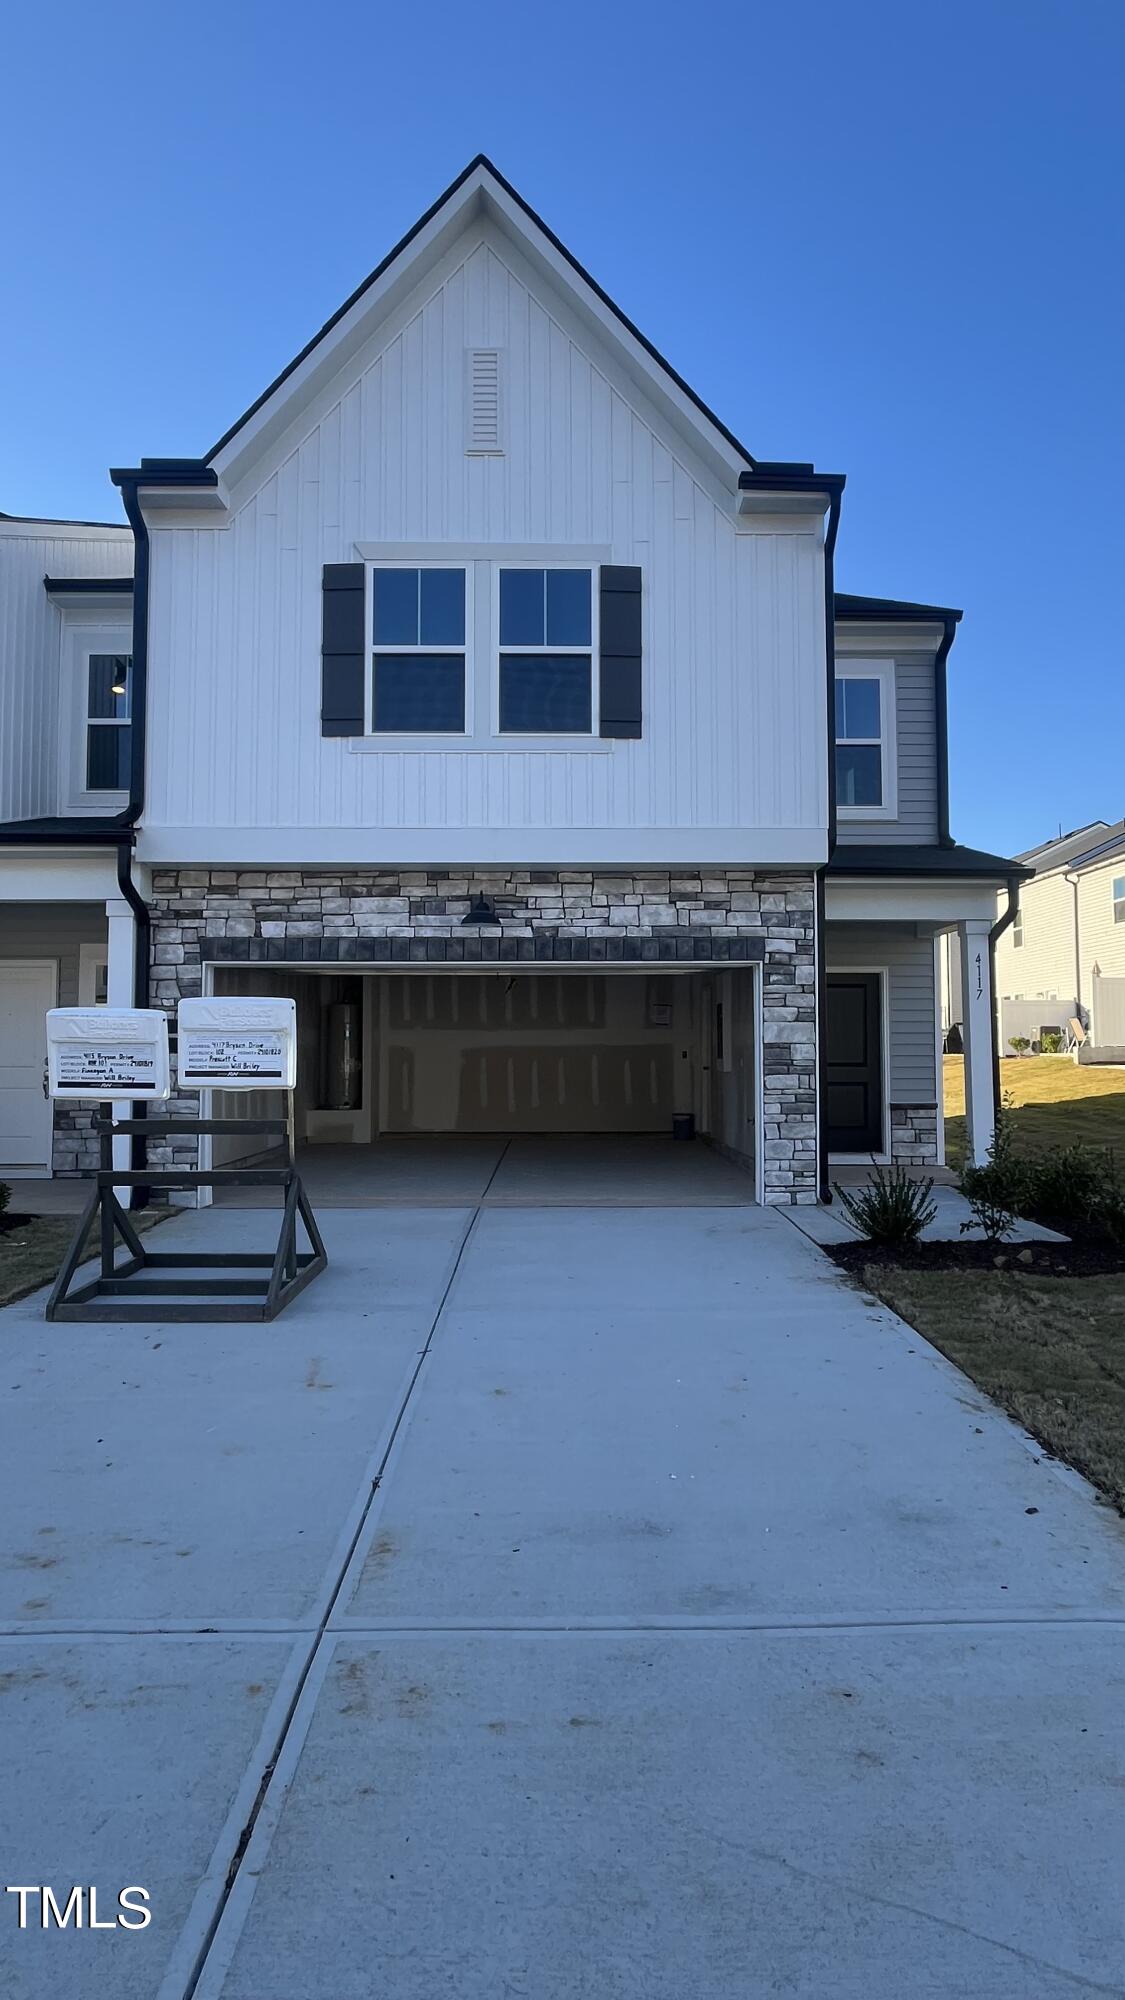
<point x="458" y="848"/>
<point x="908" y="899"/>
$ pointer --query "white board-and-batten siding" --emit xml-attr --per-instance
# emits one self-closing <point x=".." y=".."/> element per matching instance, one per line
<point x="30" y="650"/>
<point x="732" y="756"/>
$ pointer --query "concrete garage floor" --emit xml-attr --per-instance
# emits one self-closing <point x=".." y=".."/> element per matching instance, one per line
<point x="560" y="1601"/>
<point x="560" y="1169"/>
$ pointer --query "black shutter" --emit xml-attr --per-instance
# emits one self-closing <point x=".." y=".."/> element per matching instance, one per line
<point x="343" y="651"/>
<point x="619" y="641"/>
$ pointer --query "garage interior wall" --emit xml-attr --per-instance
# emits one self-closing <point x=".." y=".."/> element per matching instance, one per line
<point x="512" y="1052"/>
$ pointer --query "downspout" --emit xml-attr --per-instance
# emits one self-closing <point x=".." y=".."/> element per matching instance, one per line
<point x="997" y="931"/>
<point x="1074" y="881"/>
<point x="941" y="718"/>
<point x="127" y="819"/>
<point x="830" y="534"/>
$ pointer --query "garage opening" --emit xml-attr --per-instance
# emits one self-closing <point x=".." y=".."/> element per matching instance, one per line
<point x="502" y="1054"/>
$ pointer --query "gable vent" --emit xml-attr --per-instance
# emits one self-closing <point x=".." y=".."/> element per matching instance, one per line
<point x="483" y="426"/>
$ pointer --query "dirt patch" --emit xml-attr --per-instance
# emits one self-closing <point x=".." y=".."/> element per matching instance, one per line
<point x="1047" y="1346"/>
<point x="1083" y="1259"/>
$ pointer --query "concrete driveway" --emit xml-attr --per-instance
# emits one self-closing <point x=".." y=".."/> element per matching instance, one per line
<point x="557" y="1601"/>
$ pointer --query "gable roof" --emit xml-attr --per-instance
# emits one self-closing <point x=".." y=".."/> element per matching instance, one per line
<point x="1048" y="854"/>
<point x="482" y="185"/>
<point x="1086" y="847"/>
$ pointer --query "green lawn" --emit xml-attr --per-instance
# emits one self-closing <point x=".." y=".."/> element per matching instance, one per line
<point x="1054" y="1103"/>
<point x="30" y="1255"/>
<point x="1049" y="1350"/>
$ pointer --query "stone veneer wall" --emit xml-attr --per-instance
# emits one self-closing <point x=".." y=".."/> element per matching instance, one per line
<point x="345" y="917"/>
<point x="914" y="1134"/>
<point x="74" y="1143"/>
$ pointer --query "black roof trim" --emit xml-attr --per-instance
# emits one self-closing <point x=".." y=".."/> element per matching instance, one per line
<point x="89" y="586"/>
<point x="482" y="160"/>
<point x="893" y="610"/>
<point x="789" y="476"/>
<point x="165" y="472"/>
<point x="903" y="860"/>
<point x="56" y="831"/>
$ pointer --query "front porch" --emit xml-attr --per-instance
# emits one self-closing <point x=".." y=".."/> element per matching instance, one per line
<point x="883" y="1095"/>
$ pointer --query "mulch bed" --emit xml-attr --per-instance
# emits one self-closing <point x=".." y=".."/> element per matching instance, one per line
<point x="10" y="1221"/>
<point x="1091" y="1259"/>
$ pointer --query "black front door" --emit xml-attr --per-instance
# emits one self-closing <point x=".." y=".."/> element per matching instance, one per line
<point x="854" y="1108"/>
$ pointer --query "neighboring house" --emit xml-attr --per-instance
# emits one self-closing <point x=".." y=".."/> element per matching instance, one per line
<point x="1064" y="957"/>
<point x="479" y="644"/>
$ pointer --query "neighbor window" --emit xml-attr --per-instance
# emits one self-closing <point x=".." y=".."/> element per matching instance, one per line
<point x="1119" y="899"/>
<point x="1017" y="931"/>
<point x="108" y="730"/>
<point x="859" y="742"/>
<point x="546" y="652"/>
<point x="418" y="651"/>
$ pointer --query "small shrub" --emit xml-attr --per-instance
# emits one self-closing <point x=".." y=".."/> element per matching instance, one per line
<point x="998" y="1190"/>
<point x="1020" y="1043"/>
<point x="1080" y="1185"/>
<point x="5" y="1196"/>
<point x="892" y="1209"/>
<point x="985" y="1195"/>
<point x="1050" y="1042"/>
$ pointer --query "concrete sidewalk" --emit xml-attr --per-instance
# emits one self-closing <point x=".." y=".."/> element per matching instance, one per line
<point x="557" y="1602"/>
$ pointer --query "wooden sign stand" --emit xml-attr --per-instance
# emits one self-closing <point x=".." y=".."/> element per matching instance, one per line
<point x="132" y="1291"/>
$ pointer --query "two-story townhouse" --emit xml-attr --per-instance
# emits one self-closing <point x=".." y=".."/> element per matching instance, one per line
<point x="1064" y="957"/>
<point x="488" y="696"/>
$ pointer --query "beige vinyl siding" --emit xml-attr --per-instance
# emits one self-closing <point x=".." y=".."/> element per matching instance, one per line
<point x="1103" y="941"/>
<point x="1044" y="964"/>
<point x="911" y="1002"/>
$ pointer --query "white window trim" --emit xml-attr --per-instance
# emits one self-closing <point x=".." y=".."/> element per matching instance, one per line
<point x="539" y="738"/>
<point x="882" y="671"/>
<point x="482" y="564"/>
<point x="411" y="739"/>
<point x="91" y="632"/>
<point x="1117" y="901"/>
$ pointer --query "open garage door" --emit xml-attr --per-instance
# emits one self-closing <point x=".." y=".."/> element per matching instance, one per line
<point x="506" y="1052"/>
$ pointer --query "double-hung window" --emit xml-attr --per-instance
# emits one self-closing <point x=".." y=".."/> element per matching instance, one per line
<point x="108" y="726"/>
<point x="864" y="742"/>
<point x="417" y="651"/>
<point x="1119" y="899"/>
<point x="546" y="652"/>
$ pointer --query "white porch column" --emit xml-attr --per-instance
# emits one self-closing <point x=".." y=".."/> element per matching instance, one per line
<point x="977" y="1029"/>
<point x="121" y="925"/>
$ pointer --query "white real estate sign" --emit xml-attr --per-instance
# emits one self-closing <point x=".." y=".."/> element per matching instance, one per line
<point x="237" y="1044"/>
<point x="107" y="1053"/>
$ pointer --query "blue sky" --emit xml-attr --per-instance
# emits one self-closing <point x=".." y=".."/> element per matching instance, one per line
<point x="881" y="236"/>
